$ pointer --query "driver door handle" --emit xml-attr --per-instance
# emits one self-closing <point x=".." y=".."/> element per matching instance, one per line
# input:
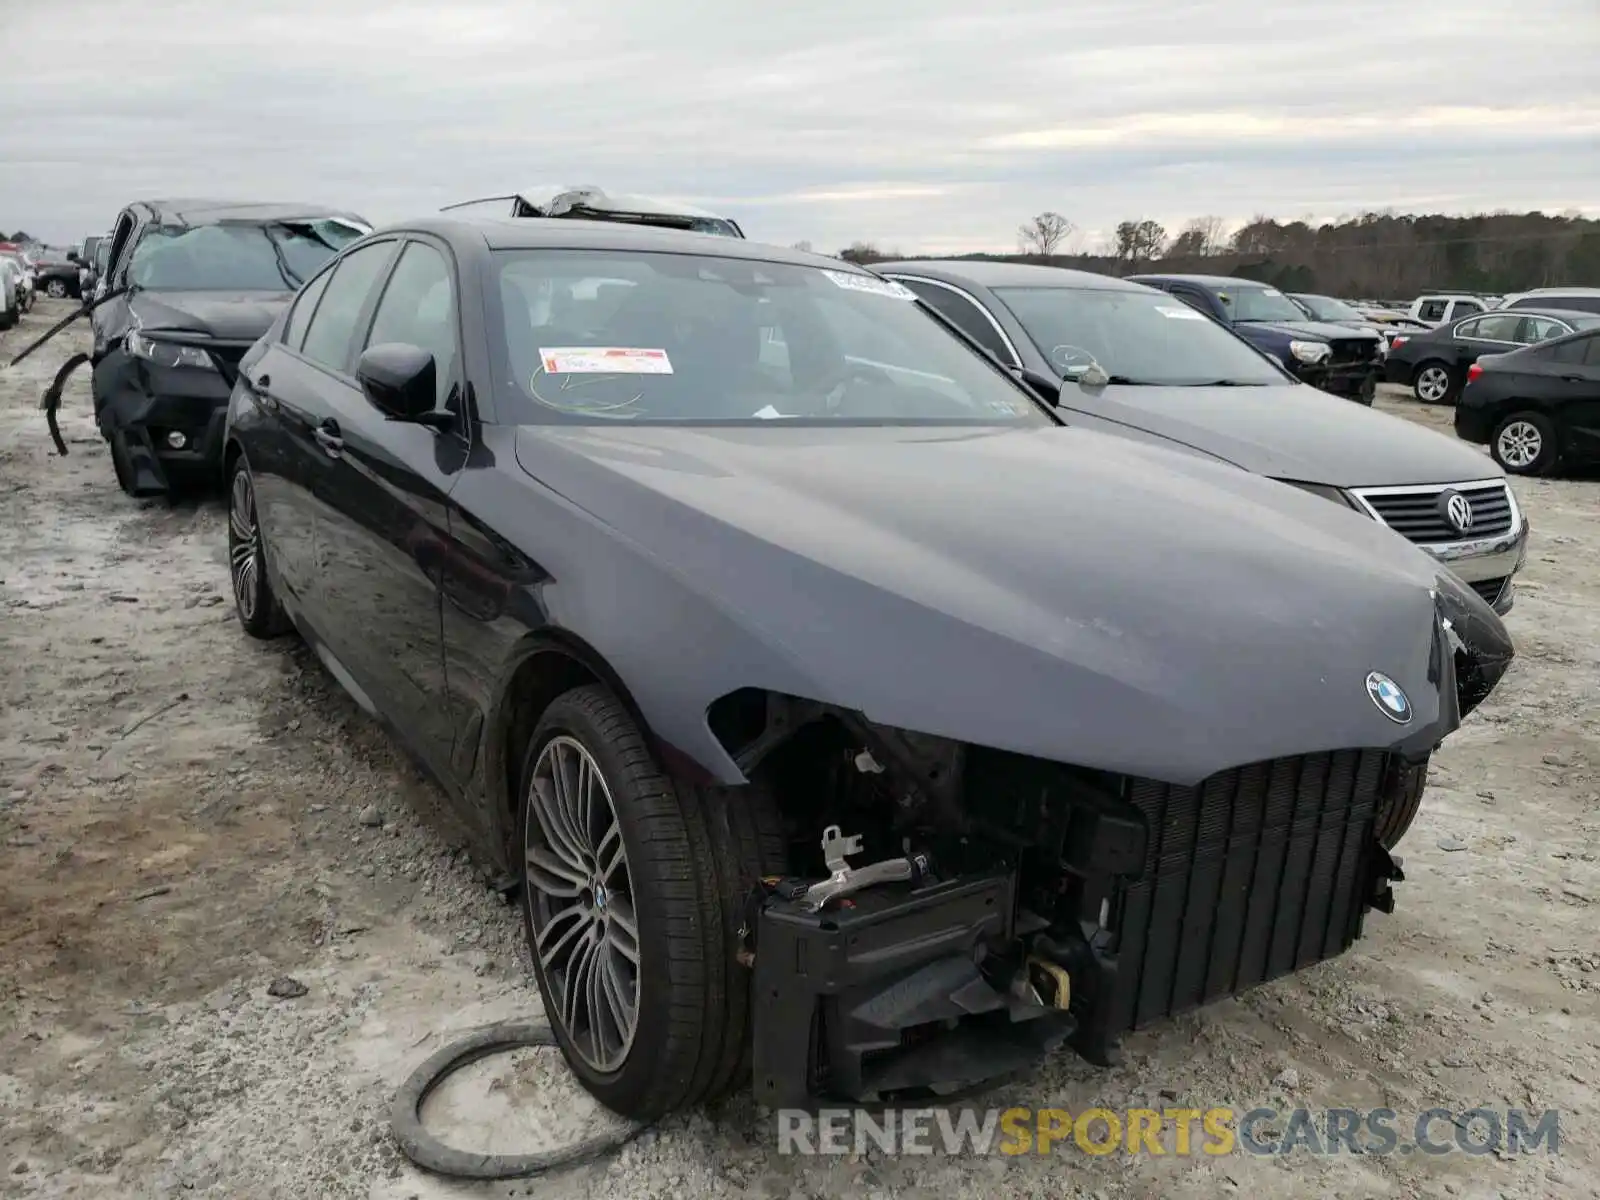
<point x="328" y="435"/>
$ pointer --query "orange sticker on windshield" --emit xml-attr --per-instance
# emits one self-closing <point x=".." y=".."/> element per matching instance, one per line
<point x="604" y="360"/>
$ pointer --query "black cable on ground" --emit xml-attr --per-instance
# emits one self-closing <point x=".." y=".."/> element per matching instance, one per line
<point x="422" y="1148"/>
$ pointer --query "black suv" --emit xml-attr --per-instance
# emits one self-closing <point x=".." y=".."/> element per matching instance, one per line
<point x="1335" y="358"/>
<point x="190" y="286"/>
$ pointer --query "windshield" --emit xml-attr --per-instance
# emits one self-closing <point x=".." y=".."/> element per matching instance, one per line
<point x="1258" y="304"/>
<point x="603" y="336"/>
<point x="1326" y="308"/>
<point x="1136" y="337"/>
<point x="275" y="257"/>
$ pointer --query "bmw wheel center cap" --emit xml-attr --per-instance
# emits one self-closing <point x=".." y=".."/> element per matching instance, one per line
<point x="1389" y="698"/>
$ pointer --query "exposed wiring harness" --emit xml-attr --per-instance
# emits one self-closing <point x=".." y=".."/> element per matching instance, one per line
<point x="51" y="400"/>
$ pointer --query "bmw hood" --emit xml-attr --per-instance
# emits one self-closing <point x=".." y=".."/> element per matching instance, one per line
<point x="227" y="316"/>
<point x="1053" y="592"/>
<point x="1326" y="330"/>
<point x="1289" y="432"/>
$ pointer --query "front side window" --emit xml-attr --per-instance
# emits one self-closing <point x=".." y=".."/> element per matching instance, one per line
<point x="418" y="308"/>
<point x="1538" y="329"/>
<point x="1258" y="304"/>
<point x="1136" y="337"/>
<point x="235" y="256"/>
<point x="594" y="336"/>
<point x="964" y="314"/>
<point x="333" y="325"/>
<point x="1433" y="310"/>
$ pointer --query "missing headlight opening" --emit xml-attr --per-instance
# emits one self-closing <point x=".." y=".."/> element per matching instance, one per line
<point x="953" y="913"/>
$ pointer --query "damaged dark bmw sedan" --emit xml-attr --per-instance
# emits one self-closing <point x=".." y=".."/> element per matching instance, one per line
<point x="191" y="285"/>
<point x="853" y="726"/>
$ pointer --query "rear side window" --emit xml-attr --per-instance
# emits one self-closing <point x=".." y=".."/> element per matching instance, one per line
<point x="1539" y="329"/>
<point x="333" y="326"/>
<point x="1463" y="307"/>
<point x="300" y="316"/>
<point x="1499" y="328"/>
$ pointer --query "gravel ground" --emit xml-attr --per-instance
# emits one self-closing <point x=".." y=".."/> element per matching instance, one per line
<point x="188" y="816"/>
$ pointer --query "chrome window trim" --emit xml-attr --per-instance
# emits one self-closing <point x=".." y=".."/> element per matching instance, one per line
<point x="1011" y="348"/>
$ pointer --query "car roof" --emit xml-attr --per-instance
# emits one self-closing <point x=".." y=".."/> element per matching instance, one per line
<point x="1558" y="291"/>
<point x="560" y="233"/>
<point x="991" y="274"/>
<point x="1569" y="315"/>
<point x="212" y="212"/>
<point x="540" y="196"/>
<point x="1212" y="281"/>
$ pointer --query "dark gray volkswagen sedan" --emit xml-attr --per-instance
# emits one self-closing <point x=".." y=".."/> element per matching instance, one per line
<point x="1129" y="359"/>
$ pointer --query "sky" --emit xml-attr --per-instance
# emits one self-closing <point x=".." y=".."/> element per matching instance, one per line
<point x="921" y="127"/>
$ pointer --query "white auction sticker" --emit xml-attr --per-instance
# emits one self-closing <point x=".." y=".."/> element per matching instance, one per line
<point x="1181" y="313"/>
<point x="604" y="360"/>
<point x="852" y="282"/>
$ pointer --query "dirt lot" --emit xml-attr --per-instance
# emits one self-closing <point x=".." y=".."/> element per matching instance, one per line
<point x="187" y="816"/>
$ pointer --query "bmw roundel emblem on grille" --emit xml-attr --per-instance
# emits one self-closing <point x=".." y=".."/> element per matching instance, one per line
<point x="1458" y="511"/>
<point x="1389" y="698"/>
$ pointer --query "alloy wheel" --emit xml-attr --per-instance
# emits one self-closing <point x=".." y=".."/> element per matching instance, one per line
<point x="1520" y="443"/>
<point x="580" y="904"/>
<point x="1433" y="383"/>
<point x="55" y="289"/>
<point x="244" y="545"/>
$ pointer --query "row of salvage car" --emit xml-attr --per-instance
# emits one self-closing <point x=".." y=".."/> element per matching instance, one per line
<point x="873" y="679"/>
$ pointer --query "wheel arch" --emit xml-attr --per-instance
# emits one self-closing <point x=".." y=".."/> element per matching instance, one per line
<point x="545" y="664"/>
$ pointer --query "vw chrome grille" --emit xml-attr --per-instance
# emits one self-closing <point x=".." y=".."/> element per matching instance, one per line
<point x="1443" y="512"/>
<point x="1258" y="871"/>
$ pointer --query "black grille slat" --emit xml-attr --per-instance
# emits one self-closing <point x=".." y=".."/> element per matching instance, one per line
<point x="1255" y="873"/>
<point x="1416" y="515"/>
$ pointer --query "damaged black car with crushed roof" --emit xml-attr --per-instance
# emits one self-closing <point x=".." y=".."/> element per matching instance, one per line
<point x="854" y="726"/>
<point x="190" y="285"/>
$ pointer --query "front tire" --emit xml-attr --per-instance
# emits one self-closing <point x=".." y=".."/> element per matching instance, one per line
<point x="1526" y="443"/>
<point x="1433" y="383"/>
<point x="632" y="895"/>
<point x="56" y="290"/>
<point x="260" y="614"/>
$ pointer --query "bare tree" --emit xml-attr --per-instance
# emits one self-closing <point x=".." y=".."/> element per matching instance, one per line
<point x="1200" y="237"/>
<point x="1140" y="241"/>
<point x="1044" y="234"/>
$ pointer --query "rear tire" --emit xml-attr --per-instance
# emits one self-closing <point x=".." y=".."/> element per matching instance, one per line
<point x="56" y="290"/>
<point x="1526" y="443"/>
<point x="1434" y="383"/>
<point x="260" y="614"/>
<point x="633" y="890"/>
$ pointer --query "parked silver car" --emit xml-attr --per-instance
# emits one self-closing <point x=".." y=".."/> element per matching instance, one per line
<point x="1129" y="359"/>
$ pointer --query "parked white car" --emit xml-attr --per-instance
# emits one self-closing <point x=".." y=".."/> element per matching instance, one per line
<point x="10" y="292"/>
<point x="1442" y="308"/>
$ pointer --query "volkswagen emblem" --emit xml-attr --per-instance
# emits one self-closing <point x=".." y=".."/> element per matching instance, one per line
<point x="1457" y="510"/>
<point x="1388" y="697"/>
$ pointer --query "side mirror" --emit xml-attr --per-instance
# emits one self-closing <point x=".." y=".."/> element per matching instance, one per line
<point x="398" y="379"/>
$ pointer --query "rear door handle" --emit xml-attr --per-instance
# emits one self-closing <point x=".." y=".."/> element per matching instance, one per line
<point x="328" y="435"/>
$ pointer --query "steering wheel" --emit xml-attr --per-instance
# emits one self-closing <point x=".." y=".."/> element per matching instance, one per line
<point x="832" y="387"/>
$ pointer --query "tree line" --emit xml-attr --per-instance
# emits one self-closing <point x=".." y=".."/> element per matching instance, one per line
<point x="1374" y="255"/>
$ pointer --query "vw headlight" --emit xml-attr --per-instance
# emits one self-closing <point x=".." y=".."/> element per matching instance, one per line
<point x="1310" y="352"/>
<point x="166" y="354"/>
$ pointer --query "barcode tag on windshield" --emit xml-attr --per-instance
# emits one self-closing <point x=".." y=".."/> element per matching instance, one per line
<point x="851" y="282"/>
<point x="1181" y="313"/>
<point x="604" y="360"/>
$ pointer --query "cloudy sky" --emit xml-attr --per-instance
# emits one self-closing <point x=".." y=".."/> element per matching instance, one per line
<point x="919" y="125"/>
